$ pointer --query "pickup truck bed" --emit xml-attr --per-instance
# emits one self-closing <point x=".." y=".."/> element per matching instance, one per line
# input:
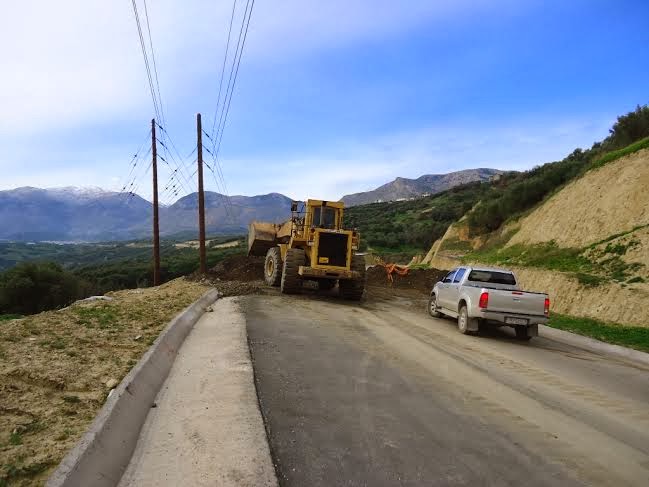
<point x="481" y="296"/>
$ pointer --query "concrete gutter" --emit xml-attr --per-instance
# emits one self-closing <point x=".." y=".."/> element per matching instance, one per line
<point x="103" y="453"/>
<point x="593" y="345"/>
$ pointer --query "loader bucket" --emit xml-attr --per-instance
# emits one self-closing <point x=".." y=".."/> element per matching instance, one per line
<point x="261" y="237"/>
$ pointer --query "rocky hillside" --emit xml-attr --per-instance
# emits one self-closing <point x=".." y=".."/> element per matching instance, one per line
<point x="606" y="201"/>
<point x="73" y="214"/>
<point x="403" y="188"/>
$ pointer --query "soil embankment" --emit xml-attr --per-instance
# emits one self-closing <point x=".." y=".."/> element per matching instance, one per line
<point x="604" y="202"/>
<point x="58" y="367"/>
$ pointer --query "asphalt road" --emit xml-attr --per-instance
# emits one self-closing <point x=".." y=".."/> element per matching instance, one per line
<point x="381" y="394"/>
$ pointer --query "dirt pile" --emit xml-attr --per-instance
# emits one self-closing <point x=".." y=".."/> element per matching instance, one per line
<point x="235" y="276"/>
<point x="235" y="288"/>
<point x="238" y="268"/>
<point x="421" y="280"/>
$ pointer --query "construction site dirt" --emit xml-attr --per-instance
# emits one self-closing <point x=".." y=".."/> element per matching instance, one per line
<point x="242" y="275"/>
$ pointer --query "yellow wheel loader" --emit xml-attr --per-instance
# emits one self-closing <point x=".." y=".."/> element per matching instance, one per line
<point x="313" y="246"/>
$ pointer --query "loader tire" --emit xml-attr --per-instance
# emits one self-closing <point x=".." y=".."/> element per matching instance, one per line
<point x="291" y="282"/>
<point x="273" y="267"/>
<point x="352" y="289"/>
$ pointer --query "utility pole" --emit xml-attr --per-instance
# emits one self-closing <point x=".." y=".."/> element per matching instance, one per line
<point x="156" y="223"/>
<point x="201" y="197"/>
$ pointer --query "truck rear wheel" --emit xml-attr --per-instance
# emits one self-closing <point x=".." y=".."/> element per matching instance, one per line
<point x="352" y="289"/>
<point x="273" y="267"/>
<point x="466" y="325"/>
<point x="291" y="282"/>
<point x="521" y="333"/>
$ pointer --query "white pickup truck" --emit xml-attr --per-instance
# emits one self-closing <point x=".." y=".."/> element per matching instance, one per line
<point x="477" y="296"/>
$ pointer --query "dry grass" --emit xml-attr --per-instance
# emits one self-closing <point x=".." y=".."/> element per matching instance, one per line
<point x="54" y="368"/>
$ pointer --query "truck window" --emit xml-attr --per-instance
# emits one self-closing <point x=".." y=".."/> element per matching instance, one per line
<point x="459" y="275"/>
<point x="493" y="277"/>
<point x="449" y="276"/>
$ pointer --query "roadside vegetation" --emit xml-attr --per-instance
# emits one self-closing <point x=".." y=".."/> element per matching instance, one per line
<point x="592" y="266"/>
<point x="34" y="286"/>
<point x="410" y="227"/>
<point x="628" y="336"/>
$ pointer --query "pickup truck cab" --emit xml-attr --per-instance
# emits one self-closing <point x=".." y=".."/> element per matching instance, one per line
<point x="478" y="296"/>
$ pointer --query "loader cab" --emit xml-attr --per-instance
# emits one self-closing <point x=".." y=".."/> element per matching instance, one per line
<point x="318" y="214"/>
<point x="325" y="217"/>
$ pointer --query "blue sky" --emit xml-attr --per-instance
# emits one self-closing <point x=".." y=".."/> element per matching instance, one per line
<point x="332" y="97"/>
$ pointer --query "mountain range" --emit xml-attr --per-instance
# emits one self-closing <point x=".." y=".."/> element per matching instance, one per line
<point x="92" y="214"/>
<point x="82" y="215"/>
<point x="404" y="188"/>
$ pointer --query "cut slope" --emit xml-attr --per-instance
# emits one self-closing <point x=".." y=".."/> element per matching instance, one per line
<point x="606" y="201"/>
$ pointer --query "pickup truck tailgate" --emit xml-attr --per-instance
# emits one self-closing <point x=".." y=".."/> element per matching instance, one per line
<point x="516" y="302"/>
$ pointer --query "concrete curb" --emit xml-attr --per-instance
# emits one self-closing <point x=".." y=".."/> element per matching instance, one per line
<point x="103" y="453"/>
<point x="593" y="345"/>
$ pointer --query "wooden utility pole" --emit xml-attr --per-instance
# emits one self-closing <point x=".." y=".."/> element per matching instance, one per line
<point x="156" y="222"/>
<point x="201" y="197"/>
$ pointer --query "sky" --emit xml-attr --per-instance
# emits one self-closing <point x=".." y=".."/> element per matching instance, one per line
<point x="331" y="97"/>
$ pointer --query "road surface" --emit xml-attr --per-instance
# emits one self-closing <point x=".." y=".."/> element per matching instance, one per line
<point x="382" y="394"/>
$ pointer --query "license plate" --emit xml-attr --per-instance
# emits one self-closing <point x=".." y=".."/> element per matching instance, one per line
<point x="515" y="321"/>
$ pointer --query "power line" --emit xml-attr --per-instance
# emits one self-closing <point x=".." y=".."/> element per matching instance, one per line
<point x="225" y="108"/>
<point x="146" y="59"/>
<point x="155" y="68"/>
<point x="243" y="44"/>
<point x="156" y="96"/>
<point x="225" y="58"/>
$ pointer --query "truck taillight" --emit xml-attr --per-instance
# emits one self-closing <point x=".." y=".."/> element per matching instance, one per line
<point x="484" y="300"/>
<point x="546" y="307"/>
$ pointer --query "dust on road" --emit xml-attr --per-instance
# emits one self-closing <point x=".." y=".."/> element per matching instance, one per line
<point x="382" y="394"/>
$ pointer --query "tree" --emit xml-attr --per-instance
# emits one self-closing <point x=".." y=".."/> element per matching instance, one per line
<point x="32" y="287"/>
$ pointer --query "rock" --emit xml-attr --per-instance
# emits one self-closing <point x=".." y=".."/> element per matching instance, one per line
<point x="96" y="298"/>
<point x="138" y="337"/>
<point x="111" y="383"/>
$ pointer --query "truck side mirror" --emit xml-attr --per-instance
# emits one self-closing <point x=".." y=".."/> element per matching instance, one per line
<point x="294" y="206"/>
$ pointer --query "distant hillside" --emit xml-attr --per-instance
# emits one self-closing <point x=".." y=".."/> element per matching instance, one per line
<point x="429" y="184"/>
<point x="234" y="218"/>
<point x="63" y="214"/>
<point x="91" y="215"/>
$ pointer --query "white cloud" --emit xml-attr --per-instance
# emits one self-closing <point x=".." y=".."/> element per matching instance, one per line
<point x="74" y="62"/>
<point x="354" y="167"/>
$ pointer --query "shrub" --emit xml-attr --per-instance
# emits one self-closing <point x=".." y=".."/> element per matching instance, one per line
<point x="32" y="287"/>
